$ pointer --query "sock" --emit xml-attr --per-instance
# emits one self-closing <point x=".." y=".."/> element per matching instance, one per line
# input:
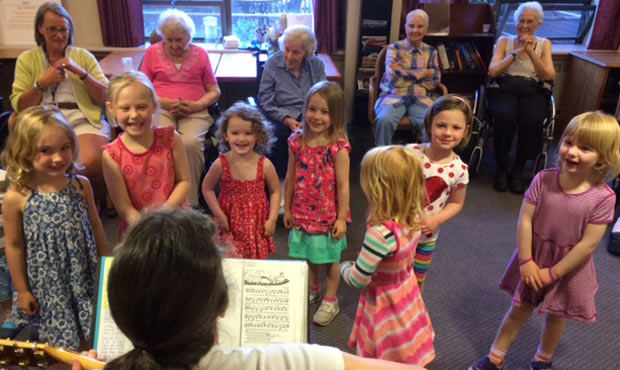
<point x="331" y="300"/>
<point x="496" y="356"/>
<point x="542" y="356"/>
<point x="314" y="288"/>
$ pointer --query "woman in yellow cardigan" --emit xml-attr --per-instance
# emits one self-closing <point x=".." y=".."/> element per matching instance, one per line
<point x="69" y="77"/>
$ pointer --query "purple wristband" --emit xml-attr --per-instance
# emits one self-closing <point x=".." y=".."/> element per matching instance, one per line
<point x="521" y="263"/>
<point x="551" y="276"/>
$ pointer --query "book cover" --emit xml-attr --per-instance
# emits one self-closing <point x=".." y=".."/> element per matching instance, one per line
<point x="443" y="56"/>
<point x="268" y="304"/>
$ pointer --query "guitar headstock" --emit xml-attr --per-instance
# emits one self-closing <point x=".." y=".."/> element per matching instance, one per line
<point x="22" y="355"/>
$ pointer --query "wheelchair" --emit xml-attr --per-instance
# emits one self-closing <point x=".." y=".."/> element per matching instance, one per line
<point x="483" y="126"/>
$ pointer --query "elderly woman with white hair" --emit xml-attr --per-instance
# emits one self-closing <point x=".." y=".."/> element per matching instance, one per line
<point x="287" y="77"/>
<point x="518" y="99"/>
<point x="185" y="85"/>
<point x="411" y="71"/>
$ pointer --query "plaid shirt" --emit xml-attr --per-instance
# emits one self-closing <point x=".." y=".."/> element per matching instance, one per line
<point x="397" y="86"/>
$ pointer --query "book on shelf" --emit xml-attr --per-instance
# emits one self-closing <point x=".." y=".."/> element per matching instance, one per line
<point x="268" y="304"/>
<point x="476" y="55"/>
<point x="363" y="78"/>
<point x="374" y="23"/>
<point x="443" y="57"/>
<point x="369" y="61"/>
<point x="374" y="40"/>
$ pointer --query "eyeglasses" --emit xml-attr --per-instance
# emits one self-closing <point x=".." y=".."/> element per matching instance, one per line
<point x="54" y="30"/>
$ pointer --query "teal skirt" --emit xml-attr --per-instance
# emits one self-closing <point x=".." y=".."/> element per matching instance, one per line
<point x="316" y="248"/>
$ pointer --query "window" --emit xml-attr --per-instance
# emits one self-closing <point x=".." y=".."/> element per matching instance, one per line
<point x="216" y="18"/>
<point x="564" y="22"/>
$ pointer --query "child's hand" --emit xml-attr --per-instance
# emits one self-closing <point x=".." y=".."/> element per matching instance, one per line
<point x="545" y="279"/>
<point x="270" y="227"/>
<point x="27" y="302"/>
<point x="287" y="219"/>
<point x="222" y="223"/>
<point x="429" y="225"/>
<point x="340" y="229"/>
<point x="345" y="265"/>
<point x="530" y="275"/>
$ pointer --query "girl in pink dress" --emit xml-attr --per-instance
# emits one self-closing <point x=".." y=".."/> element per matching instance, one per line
<point x="563" y="218"/>
<point x="392" y="322"/>
<point x="146" y="166"/>
<point x="246" y="220"/>
<point x="317" y="192"/>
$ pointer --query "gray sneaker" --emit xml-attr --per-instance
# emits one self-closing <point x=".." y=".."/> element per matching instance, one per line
<point x="326" y="313"/>
<point x="314" y="297"/>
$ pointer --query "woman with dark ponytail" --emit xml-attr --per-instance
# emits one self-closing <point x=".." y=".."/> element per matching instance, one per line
<point x="166" y="290"/>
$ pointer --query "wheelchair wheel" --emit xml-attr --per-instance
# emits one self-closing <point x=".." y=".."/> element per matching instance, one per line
<point x="541" y="162"/>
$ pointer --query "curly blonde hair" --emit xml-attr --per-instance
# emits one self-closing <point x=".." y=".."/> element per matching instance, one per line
<point x="393" y="183"/>
<point x="601" y="132"/>
<point x="260" y="126"/>
<point x="21" y="148"/>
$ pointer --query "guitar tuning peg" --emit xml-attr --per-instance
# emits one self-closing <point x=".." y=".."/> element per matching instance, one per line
<point x="41" y="364"/>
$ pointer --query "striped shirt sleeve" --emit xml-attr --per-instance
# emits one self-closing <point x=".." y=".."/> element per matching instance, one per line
<point x="379" y="243"/>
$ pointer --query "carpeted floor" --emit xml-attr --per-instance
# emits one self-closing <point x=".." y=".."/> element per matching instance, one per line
<point x="461" y="290"/>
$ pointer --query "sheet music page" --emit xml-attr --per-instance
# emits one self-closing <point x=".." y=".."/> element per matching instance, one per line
<point x="268" y="303"/>
<point x="108" y="339"/>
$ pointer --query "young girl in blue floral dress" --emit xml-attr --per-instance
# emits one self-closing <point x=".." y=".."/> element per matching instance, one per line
<point x="317" y="192"/>
<point x="53" y="233"/>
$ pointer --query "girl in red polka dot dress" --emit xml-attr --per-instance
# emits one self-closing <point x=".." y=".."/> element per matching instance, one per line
<point x="448" y="123"/>
<point x="146" y="166"/>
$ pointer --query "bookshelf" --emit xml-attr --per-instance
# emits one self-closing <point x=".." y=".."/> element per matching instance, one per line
<point x="374" y="35"/>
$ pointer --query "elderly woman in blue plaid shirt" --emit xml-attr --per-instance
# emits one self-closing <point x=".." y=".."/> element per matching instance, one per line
<point x="287" y="77"/>
<point x="411" y="70"/>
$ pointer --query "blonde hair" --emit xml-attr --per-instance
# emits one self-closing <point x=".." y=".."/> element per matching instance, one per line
<point x="393" y="182"/>
<point x="451" y="102"/>
<point x="333" y="95"/>
<point x="262" y="128"/>
<point x="124" y="79"/>
<point x="601" y="132"/>
<point x="21" y="148"/>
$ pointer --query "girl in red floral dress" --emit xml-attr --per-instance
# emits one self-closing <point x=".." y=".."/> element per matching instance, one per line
<point x="317" y="193"/>
<point x="246" y="220"/>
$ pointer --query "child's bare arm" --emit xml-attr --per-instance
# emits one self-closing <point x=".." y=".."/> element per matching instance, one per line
<point x="273" y="183"/>
<point x="289" y="187"/>
<point x="342" y="186"/>
<point x="208" y="184"/>
<point x="12" y="211"/>
<point x="93" y="217"/>
<point x="529" y="269"/>
<point x="115" y="183"/>
<point x="592" y="237"/>
<point x="182" y="182"/>
<point x="430" y="224"/>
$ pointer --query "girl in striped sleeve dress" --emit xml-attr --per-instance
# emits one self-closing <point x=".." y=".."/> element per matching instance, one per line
<point x="392" y="322"/>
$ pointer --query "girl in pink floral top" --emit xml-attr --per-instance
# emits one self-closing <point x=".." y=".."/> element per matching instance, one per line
<point x="145" y="167"/>
<point x="317" y="192"/>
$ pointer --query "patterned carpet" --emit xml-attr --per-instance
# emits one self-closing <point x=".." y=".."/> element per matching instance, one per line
<point x="461" y="290"/>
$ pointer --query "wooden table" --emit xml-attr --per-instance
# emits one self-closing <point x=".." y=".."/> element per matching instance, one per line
<point x="592" y="83"/>
<point x="227" y="66"/>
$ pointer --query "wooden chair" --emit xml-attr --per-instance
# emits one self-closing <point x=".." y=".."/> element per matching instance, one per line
<point x="373" y="94"/>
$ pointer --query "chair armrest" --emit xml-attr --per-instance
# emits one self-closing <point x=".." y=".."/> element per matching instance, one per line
<point x="373" y="93"/>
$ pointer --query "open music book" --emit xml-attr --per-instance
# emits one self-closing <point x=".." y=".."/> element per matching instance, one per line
<point x="268" y="304"/>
